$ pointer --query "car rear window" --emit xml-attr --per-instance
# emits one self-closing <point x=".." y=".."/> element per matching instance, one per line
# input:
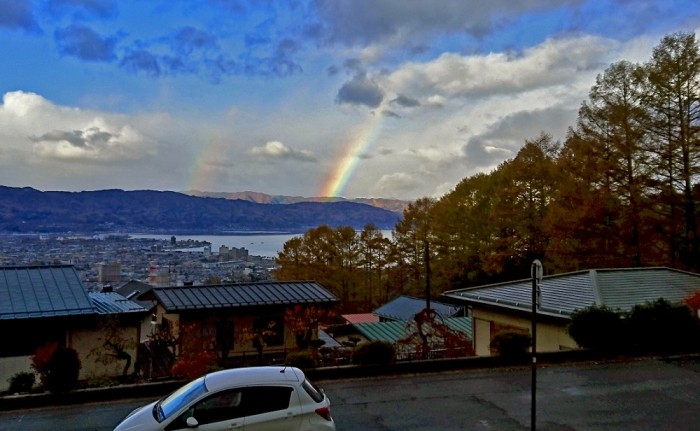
<point x="264" y="399"/>
<point x="314" y="392"/>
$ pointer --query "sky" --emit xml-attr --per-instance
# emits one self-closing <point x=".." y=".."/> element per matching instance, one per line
<point x="351" y="98"/>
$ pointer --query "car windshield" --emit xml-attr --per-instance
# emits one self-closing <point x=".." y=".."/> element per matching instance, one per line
<point x="179" y="399"/>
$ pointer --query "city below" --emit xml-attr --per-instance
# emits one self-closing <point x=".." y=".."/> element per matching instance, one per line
<point x="106" y="261"/>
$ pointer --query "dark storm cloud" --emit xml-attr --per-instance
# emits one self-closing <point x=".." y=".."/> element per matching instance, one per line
<point x="84" y="8"/>
<point x="405" y="101"/>
<point x="83" y="42"/>
<point x="18" y="15"/>
<point x="361" y="91"/>
<point x="190" y="39"/>
<point x="141" y="60"/>
<point x="390" y="114"/>
<point x="92" y="137"/>
<point x="280" y="63"/>
<point x="360" y="22"/>
<point x="194" y="51"/>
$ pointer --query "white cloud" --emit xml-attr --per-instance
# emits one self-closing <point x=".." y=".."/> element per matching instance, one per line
<point x="278" y="150"/>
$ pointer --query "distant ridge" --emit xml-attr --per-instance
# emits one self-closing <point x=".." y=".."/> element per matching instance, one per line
<point x="394" y="205"/>
<point x="27" y="210"/>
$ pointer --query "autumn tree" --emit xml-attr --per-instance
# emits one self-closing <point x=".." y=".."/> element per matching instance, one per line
<point x="413" y="235"/>
<point x="673" y="93"/>
<point x="373" y="254"/>
<point x="601" y="203"/>
<point x="527" y="184"/>
<point x="463" y="232"/>
<point x="303" y="321"/>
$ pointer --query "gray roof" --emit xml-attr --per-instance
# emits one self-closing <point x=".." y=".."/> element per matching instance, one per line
<point x="620" y="288"/>
<point x="114" y="303"/>
<point x="243" y="295"/>
<point x="133" y="289"/>
<point x="328" y="340"/>
<point x="405" y="307"/>
<point x="42" y="291"/>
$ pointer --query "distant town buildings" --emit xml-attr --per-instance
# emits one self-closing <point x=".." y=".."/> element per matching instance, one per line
<point x="106" y="261"/>
<point x="109" y="272"/>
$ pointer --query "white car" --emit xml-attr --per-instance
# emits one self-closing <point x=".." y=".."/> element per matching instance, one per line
<point x="249" y="399"/>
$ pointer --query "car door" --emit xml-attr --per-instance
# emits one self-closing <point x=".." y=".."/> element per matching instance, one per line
<point x="220" y="411"/>
<point x="271" y="408"/>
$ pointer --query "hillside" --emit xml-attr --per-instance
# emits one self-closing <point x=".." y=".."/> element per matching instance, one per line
<point x="394" y="205"/>
<point x="25" y="210"/>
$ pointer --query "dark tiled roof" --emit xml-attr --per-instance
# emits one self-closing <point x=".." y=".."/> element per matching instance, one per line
<point x="405" y="307"/>
<point x="42" y="291"/>
<point x="114" y="303"/>
<point x="242" y="295"/>
<point x="562" y="294"/>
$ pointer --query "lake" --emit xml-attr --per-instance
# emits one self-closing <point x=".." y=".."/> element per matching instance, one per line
<point x="259" y="244"/>
<point x="262" y="244"/>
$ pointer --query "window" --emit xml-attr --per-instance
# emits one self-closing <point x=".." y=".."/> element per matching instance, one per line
<point x="315" y="393"/>
<point x="222" y="406"/>
<point x="179" y="399"/>
<point x="264" y="399"/>
<point x="219" y="407"/>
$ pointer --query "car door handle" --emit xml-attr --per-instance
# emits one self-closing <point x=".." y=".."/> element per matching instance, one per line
<point x="235" y="426"/>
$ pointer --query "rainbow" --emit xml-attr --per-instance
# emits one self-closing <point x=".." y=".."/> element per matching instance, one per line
<point x="348" y="160"/>
<point x="201" y="175"/>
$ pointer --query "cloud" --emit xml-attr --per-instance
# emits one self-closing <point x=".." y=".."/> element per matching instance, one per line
<point x="505" y="137"/>
<point x="84" y="8"/>
<point x="405" y="101"/>
<point x="411" y="22"/>
<point x="81" y="41"/>
<point x="190" y="39"/>
<point x="278" y="150"/>
<point x="78" y="138"/>
<point x="90" y="144"/>
<point x="18" y="14"/>
<point x="141" y="61"/>
<point x="361" y="90"/>
<point x="396" y="184"/>
<point x="453" y="75"/>
<point x="70" y="134"/>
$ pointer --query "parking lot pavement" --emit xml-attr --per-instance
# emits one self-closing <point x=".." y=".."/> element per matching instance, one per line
<point x="646" y="394"/>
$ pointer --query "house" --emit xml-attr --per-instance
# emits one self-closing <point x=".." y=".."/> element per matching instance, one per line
<point x="399" y="334"/>
<point x="243" y="322"/>
<point x="394" y="323"/>
<point x="49" y="304"/>
<point x="508" y="306"/>
<point x="405" y="308"/>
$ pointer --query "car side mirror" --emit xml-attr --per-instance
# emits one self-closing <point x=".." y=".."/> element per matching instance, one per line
<point x="192" y="422"/>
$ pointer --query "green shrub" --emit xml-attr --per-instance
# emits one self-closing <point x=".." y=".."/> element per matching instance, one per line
<point x="511" y="344"/>
<point x="21" y="382"/>
<point x="62" y="370"/>
<point x="302" y="360"/>
<point x="661" y="327"/>
<point x="374" y="353"/>
<point x="597" y="327"/>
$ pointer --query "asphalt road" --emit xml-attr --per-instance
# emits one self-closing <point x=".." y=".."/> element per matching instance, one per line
<point x="638" y="395"/>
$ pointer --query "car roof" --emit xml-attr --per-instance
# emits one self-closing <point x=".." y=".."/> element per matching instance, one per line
<point x="252" y="376"/>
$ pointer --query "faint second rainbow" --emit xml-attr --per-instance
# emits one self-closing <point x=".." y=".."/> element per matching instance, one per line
<point x="345" y="166"/>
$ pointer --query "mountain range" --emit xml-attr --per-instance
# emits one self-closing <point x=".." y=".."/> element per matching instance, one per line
<point x="395" y="205"/>
<point x="27" y="210"/>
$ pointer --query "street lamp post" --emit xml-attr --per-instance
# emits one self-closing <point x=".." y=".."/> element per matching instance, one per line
<point x="536" y="302"/>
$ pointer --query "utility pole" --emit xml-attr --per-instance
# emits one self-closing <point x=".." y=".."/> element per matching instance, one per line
<point x="536" y="302"/>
